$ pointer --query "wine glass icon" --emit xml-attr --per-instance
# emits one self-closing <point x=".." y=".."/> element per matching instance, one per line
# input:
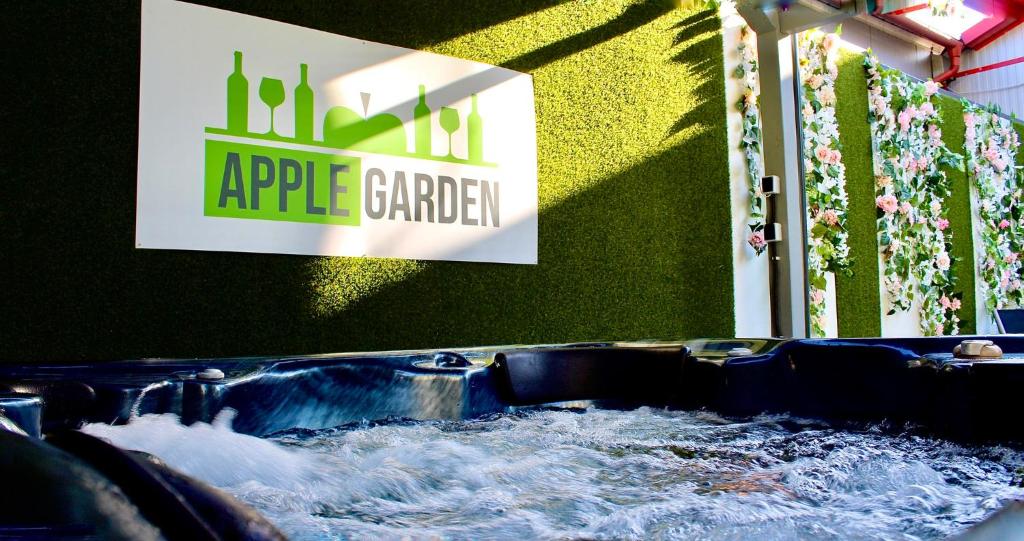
<point x="272" y="94"/>
<point x="450" y="123"/>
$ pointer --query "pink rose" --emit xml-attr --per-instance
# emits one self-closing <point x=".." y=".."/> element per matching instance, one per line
<point x="756" y="240"/>
<point x="888" y="203"/>
<point x="823" y="153"/>
<point x="1004" y="223"/>
<point x="956" y="304"/>
<point x="826" y="95"/>
<point x="943" y="224"/>
<point x="817" y="296"/>
<point x="922" y="220"/>
<point x="991" y="153"/>
<point x="927" y="109"/>
<point x="942" y="261"/>
<point x="945" y="302"/>
<point x="829" y="42"/>
<point x="879" y="104"/>
<point x="1010" y="258"/>
<point x="930" y="87"/>
<point x="969" y="120"/>
<point x="922" y="163"/>
<point x="999" y="164"/>
<point x="904" y="119"/>
<point x="939" y="328"/>
<point x="894" y="245"/>
<point x="905" y="208"/>
<point x="830" y="217"/>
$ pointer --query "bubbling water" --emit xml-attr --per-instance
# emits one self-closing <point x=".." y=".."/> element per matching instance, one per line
<point x="602" y="474"/>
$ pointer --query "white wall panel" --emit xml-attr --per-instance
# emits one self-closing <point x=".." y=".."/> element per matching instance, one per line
<point x="750" y="272"/>
<point x="910" y="58"/>
<point x="1004" y="86"/>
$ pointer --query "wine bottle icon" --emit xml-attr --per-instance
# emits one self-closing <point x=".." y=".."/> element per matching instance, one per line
<point x="272" y="94"/>
<point x="421" y="114"/>
<point x="238" y="99"/>
<point x="449" y="123"/>
<point x="303" y="107"/>
<point x="475" y="127"/>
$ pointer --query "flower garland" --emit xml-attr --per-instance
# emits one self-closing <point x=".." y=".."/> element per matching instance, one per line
<point x="910" y="191"/>
<point x="991" y="146"/>
<point x="946" y="8"/>
<point x="825" y="174"/>
<point x="746" y="72"/>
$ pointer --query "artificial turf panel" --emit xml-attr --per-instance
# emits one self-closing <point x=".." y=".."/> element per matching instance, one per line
<point x="858" y="306"/>
<point x="1019" y="126"/>
<point x="634" y="202"/>
<point x="959" y="213"/>
<point x="858" y="302"/>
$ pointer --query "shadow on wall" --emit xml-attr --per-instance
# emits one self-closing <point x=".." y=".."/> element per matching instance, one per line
<point x="623" y="252"/>
<point x="703" y="67"/>
<point x="627" y="253"/>
<point x="632" y="17"/>
<point x="615" y="250"/>
<point x="74" y="287"/>
<point x="414" y="24"/>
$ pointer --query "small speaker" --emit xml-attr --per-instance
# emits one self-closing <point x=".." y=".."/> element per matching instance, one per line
<point x="770" y="185"/>
<point x="773" y="232"/>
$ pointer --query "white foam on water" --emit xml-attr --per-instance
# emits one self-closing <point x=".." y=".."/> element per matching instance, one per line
<point x="212" y="452"/>
<point x="549" y="474"/>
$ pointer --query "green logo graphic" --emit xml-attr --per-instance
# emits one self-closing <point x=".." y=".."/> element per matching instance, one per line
<point x="255" y="181"/>
<point x="346" y="129"/>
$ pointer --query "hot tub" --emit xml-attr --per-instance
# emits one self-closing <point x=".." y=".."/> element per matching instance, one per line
<point x="726" y="439"/>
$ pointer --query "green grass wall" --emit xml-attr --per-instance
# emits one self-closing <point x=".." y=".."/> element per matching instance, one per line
<point x="960" y="218"/>
<point x="858" y="302"/>
<point x="857" y="296"/>
<point x="633" y="195"/>
<point x="1019" y="126"/>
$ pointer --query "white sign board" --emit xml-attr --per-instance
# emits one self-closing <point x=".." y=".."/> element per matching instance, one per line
<point x="259" y="136"/>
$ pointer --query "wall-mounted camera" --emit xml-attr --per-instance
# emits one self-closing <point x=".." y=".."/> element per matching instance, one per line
<point x="773" y="232"/>
<point x="770" y="185"/>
